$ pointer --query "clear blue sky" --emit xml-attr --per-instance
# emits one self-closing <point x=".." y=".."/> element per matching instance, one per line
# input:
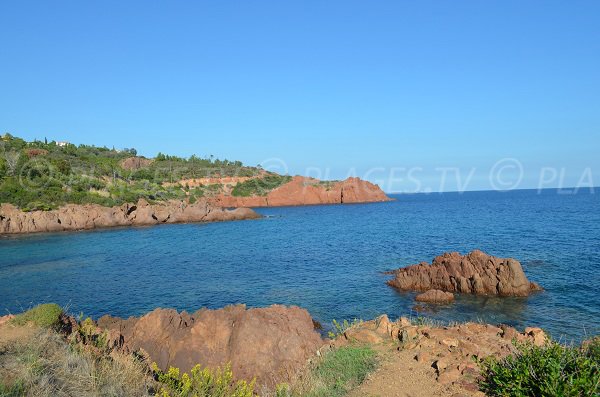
<point x="339" y="85"/>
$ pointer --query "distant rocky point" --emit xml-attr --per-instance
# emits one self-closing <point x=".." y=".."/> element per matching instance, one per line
<point x="308" y="191"/>
<point x="475" y="273"/>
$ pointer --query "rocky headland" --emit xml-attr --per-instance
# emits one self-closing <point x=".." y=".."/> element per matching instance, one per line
<point x="475" y="273"/>
<point x="73" y="217"/>
<point x="308" y="191"/>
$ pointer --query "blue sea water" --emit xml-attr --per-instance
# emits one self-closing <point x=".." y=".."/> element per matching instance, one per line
<point x="327" y="259"/>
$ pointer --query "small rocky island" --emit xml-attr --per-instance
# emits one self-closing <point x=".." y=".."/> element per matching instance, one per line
<point x="475" y="273"/>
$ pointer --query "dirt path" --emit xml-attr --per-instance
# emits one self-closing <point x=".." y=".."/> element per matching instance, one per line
<point x="9" y="335"/>
<point x="400" y="375"/>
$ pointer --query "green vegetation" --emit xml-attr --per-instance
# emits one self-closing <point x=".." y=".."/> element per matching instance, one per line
<point x="340" y="328"/>
<point x="327" y="184"/>
<point x="16" y="389"/>
<point x="45" y="316"/>
<point x="41" y="363"/>
<point x="201" y="382"/>
<point x="44" y="175"/>
<point x="260" y="186"/>
<point x="550" y="370"/>
<point x="338" y="372"/>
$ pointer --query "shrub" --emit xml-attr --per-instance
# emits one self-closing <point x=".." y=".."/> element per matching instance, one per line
<point x="201" y="382"/>
<point x="340" y="328"/>
<point x="44" y="364"/>
<point x="259" y="186"/>
<point x="45" y="315"/>
<point x="550" y="370"/>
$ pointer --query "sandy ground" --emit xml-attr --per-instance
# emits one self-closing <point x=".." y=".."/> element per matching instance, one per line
<point x="400" y="375"/>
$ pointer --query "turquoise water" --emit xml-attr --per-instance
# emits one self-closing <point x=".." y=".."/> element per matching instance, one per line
<point x="328" y="259"/>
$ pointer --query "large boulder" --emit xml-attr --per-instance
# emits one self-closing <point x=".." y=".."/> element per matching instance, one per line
<point x="270" y="344"/>
<point x="475" y="273"/>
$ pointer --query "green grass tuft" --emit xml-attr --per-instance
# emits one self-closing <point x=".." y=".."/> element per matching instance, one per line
<point x="341" y="370"/>
<point x="17" y="389"/>
<point x="45" y="315"/>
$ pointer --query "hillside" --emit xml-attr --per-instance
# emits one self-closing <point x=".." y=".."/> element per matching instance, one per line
<point x="47" y="175"/>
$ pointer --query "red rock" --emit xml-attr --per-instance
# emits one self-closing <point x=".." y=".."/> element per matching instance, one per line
<point x="363" y="335"/>
<point x="474" y="273"/>
<point x="135" y="163"/>
<point x="449" y="376"/>
<point x="309" y="191"/>
<point x="91" y="216"/>
<point x="537" y="335"/>
<point x="435" y="296"/>
<point x="271" y="344"/>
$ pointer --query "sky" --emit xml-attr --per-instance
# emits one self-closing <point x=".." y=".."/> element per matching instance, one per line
<point x="415" y="96"/>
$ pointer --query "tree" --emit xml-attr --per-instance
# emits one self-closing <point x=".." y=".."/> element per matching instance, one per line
<point x="3" y="168"/>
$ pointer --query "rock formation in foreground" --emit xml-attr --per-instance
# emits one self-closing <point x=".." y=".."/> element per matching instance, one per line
<point x="91" y="216"/>
<point x="474" y="273"/>
<point x="309" y="191"/>
<point x="271" y="344"/>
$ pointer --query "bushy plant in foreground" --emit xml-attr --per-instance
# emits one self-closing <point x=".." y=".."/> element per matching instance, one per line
<point x="201" y="382"/>
<point x="45" y="315"/>
<point x="550" y="370"/>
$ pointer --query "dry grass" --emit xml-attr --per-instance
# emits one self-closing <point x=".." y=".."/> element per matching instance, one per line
<point x="45" y="365"/>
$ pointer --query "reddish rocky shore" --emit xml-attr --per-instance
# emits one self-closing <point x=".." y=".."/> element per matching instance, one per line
<point x="275" y="344"/>
<point x="309" y="191"/>
<point x="299" y="191"/>
<point x="73" y="217"/>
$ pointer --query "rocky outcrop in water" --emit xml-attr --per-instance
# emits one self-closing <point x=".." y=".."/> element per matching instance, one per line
<point x="474" y="273"/>
<point x="308" y="191"/>
<point x="271" y="344"/>
<point x="90" y="216"/>
<point x="435" y="296"/>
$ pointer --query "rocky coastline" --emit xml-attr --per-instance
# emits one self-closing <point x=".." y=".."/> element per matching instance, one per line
<point x="73" y="217"/>
<point x="220" y="207"/>
<point x="275" y="345"/>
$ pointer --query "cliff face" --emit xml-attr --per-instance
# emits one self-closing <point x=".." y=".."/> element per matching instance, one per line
<point x="308" y="191"/>
<point x="90" y="216"/>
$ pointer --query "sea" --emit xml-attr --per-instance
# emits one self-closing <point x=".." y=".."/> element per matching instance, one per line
<point x="329" y="259"/>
